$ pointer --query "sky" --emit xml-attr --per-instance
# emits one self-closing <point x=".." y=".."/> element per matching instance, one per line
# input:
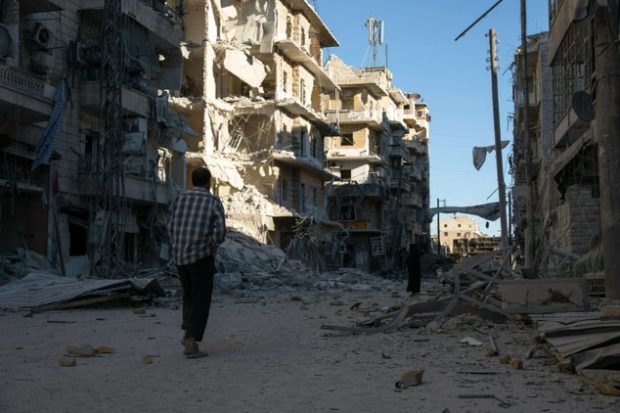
<point x="452" y="78"/>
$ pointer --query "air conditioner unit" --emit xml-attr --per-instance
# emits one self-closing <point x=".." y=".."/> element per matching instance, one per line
<point x="38" y="36"/>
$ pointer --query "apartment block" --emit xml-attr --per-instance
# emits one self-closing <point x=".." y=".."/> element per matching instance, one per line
<point x="253" y="82"/>
<point x="573" y="124"/>
<point x="53" y="151"/>
<point x="380" y="190"/>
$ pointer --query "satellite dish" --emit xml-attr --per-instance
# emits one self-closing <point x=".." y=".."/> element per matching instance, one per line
<point x="583" y="106"/>
<point x="5" y="42"/>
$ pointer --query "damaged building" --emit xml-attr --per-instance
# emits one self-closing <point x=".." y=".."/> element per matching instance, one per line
<point x="109" y="105"/>
<point x="573" y="128"/>
<point x="55" y="143"/>
<point x="381" y="158"/>
<point x="253" y="82"/>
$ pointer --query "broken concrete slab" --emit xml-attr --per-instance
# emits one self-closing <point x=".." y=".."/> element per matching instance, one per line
<point x="38" y="291"/>
<point x="544" y="296"/>
<point x="246" y="67"/>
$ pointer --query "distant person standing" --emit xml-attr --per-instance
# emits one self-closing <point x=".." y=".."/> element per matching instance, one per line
<point x="196" y="229"/>
<point x="414" y="270"/>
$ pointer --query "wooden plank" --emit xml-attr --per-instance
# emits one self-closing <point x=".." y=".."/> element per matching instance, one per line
<point x="568" y="345"/>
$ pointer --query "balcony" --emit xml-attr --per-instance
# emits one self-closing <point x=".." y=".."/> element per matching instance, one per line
<point x="30" y="95"/>
<point x="533" y="99"/>
<point x="299" y="55"/>
<point x="400" y="184"/>
<point x="395" y="117"/>
<point x="370" y="118"/>
<point x="416" y="146"/>
<point x="134" y="103"/>
<point x="309" y="163"/>
<point x="373" y="186"/>
<point x="410" y="118"/>
<point x="156" y="16"/>
<point x="140" y="189"/>
<point x="344" y="153"/>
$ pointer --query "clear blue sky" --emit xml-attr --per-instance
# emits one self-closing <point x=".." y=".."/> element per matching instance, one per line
<point x="451" y="77"/>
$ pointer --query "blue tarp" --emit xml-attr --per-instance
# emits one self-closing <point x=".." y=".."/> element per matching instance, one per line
<point x="45" y="147"/>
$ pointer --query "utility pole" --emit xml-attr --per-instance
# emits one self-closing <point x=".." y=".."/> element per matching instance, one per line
<point x="108" y="208"/>
<point x="530" y="234"/>
<point x="607" y="131"/>
<point x="438" y="231"/>
<point x="498" y="140"/>
<point x="510" y="218"/>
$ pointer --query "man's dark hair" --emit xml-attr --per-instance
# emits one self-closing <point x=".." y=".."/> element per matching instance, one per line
<point x="201" y="177"/>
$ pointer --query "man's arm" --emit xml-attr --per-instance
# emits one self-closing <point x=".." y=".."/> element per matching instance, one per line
<point x="218" y="226"/>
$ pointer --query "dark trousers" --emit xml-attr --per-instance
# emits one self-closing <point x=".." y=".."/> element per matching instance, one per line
<point x="197" y="282"/>
<point x="414" y="270"/>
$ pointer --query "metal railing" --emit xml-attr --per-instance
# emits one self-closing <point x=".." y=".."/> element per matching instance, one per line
<point x="21" y="81"/>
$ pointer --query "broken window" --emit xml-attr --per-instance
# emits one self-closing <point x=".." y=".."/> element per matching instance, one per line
<point x="345" y="174"/>
<point x="284" y="81"/>
<point x="445" y="234"/>
<point x="346" y="139"/>
<point x="282" y="138"/>
<point x="302" y="143"/>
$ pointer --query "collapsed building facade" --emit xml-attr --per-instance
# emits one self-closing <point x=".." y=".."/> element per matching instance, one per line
<point x="573" y="127"/>
<point x="57" y="149"/>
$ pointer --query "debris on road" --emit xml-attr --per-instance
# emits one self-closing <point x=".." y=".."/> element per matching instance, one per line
<point x="67" y="362"/>
<point x="409" y="379"/>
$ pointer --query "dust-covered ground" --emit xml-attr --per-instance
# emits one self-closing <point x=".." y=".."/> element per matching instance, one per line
<point x="272" y="356"/>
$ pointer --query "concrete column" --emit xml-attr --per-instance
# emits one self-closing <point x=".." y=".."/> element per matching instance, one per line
<point x="607" y="132"/>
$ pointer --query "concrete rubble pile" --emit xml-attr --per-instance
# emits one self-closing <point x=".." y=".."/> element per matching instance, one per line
<point x="245" y="264"/>
<point x="247" y="211"/>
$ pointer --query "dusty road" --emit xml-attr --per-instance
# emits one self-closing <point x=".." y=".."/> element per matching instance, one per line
<point x="271" y="356"/>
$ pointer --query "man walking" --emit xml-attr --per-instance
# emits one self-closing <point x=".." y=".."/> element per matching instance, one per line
<point x="413" y="268"/>
<point x="196" y="229"/>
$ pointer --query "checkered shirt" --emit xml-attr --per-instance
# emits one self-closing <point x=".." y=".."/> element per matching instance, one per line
<point x="196" y="226"/>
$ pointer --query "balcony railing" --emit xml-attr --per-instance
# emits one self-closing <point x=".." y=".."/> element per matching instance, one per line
<point x="354" y="116"/>
<point x="21" y="81"/>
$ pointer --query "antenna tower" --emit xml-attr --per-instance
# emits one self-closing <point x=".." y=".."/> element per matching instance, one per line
<point x="375" y="36"/>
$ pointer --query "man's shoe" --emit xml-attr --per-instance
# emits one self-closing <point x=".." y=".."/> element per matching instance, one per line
<point x="191" y="349"/>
